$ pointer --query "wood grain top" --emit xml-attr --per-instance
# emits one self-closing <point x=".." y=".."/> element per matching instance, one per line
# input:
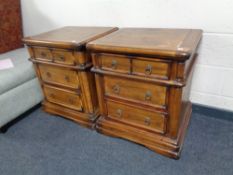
<point x="68" y="37"/>
<point x="177" y="43"/>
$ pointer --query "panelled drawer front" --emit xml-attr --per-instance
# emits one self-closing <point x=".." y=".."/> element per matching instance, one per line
<point x="138" y="117"/>
<point x="114" y="63"/>
<point x="58" y="75"/>
<point x="63" y="56"/>
<point x="150" y="69"/>
<point x="63" y="97"/>
<point x="42" y="53"/>
<point x="134" y="90"/>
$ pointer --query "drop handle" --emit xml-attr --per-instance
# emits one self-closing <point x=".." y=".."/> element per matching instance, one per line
<point x="62" y="58"/>
<point x="147" y="121"/>
<point x="43" y="54"/>
<point x="67" y="78"/>
<point x="116" y="89"/>
<point x="52" y="95"/>
<point x="148" y="96"/>
<point x="71" y="101"/>
<point x="148" y="69"/>
<point x="119" y="113"/>
<point x="48" y="74"/>
<point x="114" y="64"/>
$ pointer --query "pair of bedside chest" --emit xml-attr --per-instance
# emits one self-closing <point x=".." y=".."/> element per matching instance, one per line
<point x="131" y="83"/>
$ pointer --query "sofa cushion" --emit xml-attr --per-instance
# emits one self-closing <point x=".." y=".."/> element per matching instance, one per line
<point x="21" y="72"/>
<point x="17" y="56"/>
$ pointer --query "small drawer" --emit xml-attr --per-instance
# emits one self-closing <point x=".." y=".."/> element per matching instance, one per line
<point x="59" y="75"/>
<point x="63" y="57"/>
<point x="114" y="63"/>
<point x="133" y="90"/>
<point x="138" y="117"/>
<point x="42" y="53"/>
<point x="62" y="97"/>
<point x="153" y="68"/>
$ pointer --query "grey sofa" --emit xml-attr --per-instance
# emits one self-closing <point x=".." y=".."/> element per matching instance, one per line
<point x="19" y="87"/>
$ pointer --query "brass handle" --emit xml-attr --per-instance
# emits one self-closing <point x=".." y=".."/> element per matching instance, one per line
<point x="119" y="113"/>
<point x="48" y="74"/>
<point x="71" y="100"/>
<point x="52" y="95"/>
<point x="148" y="69"/>
<point x="62" y="58"/>
<point x="148" y="95"/>
<point x="67" y="78"/>
<point x="114" y="64"/>
<point x="43" y="54"/>
<point x="147" y="121"/>
<point x="116" y="89"/>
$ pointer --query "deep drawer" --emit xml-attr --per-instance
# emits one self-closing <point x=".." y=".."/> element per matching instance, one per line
<point x="59" y="75"/>
<point x="62" y="97"/>
<point x="137" y="117"/>
<point x="141" y="92"/>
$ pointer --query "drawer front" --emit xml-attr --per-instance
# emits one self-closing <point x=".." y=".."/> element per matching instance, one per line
<point x="150" y="69"/>
<point x="62" y="97"/>
<point x="134" y="90"/>
<point x="63" y="57"/>
<point x="115" y="63"/>
<point x="42" y="53"/>
<point x="138" y="117"/>
<point x="58" y="75"/>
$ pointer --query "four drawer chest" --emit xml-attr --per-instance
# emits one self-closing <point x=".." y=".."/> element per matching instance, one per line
<point x="63" y="68"/>
<point x="132" y="83"/>
<point x="143" y="79"/>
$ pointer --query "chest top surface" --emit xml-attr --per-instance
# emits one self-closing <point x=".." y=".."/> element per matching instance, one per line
<point x="68" y="37"/>
<point x="177" y="43"/>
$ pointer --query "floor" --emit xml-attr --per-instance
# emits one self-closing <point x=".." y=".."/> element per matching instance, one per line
<point x="42" y="144"/>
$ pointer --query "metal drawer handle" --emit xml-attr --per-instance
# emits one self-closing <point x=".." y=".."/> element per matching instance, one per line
<point x="147" y="121"/>
<point x="148" y="95"/>
<point x="116" y="89"/>
<point x="114" y="64"/>
<point x="52" y="95"/>
<point x="48" y="74"/>
<point x="67" y="78"/>
<point x="71" y="100"/>
<point x="62" y="58"/>
<point x="43" y="54"/>
<point x="148" y="69"/>
<point x="119" y="113"/>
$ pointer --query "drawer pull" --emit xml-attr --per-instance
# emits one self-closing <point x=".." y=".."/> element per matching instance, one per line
<point x="147" y="121"/>
<point x="119" y="113"/>
<point x="71" y="101"/>
<point x="48" y="74"/>
<point x="52" y="95"/>
<point x="67" y="78"/>
<point x="148" y="96"/>
<point x="43" y="54"/>
<point x="116" y="89"/>
<point x="62" y="58"/>
<point x="114" y="64"/>
<point x="148" y="69"/>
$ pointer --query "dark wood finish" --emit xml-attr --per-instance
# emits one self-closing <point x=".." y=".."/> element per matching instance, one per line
<point x="63" y="68"/>
<point x="143" y="79"/>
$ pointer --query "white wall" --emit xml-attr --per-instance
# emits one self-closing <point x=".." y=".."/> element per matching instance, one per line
<point x="213" y="76"/>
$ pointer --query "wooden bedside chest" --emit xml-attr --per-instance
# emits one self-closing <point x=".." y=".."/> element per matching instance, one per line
<point x="63" y="67"/>
<point x="143" y="79"/>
